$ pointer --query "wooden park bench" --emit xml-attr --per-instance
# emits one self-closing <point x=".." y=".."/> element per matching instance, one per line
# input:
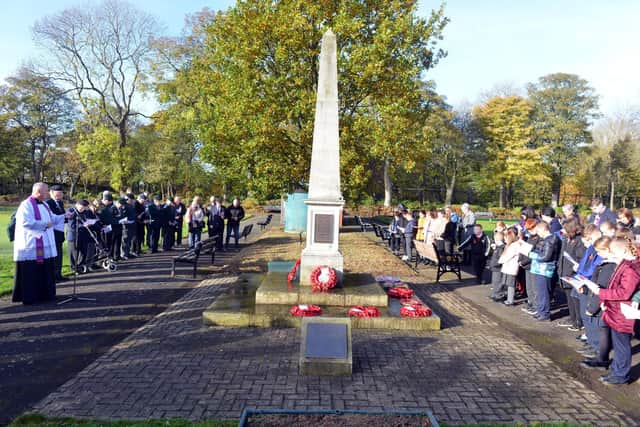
<point x="191" y="256"/>
<point x="246" y="231"/>
<point x="266" y="222"/>
<point x="445" y="263"/>
<point x="364" y="225"/>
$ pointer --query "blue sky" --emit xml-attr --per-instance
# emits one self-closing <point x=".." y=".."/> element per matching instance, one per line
<point x="490" y="42"/>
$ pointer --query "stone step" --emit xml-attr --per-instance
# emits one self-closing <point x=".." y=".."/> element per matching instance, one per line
<point x="237" y="308"/>
<point x="355" y="290"/>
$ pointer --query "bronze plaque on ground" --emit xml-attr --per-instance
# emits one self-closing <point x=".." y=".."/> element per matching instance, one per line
<point x="323" y="229"/>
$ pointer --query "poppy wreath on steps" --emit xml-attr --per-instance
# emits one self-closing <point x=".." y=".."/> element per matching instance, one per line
<point x="305" y="310"/>
<point x="415" y="310"/>
<point x="364" y="311"/>
<point x="323" y="278"/>
<point x="400" y="292"/>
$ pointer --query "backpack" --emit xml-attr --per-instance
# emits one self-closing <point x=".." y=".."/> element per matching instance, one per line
<point x="11" y="227"/>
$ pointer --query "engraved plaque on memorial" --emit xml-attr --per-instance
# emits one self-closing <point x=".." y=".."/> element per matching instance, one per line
<point x="323" y="229"/>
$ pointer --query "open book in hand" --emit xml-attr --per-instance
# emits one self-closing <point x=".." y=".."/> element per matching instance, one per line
<point x="573" y="281"/>
<point x="89" y="222"/>
<point x="524" y="247"/>
<point x="629" y="312"/>
<point x="570" y="258"/>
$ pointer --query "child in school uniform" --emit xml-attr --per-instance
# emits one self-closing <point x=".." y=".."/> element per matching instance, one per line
<point x="510" y="266"/>
<point x="622" y="286"/>
<point x="495" y="266"/>
<point x="598" y="332"/>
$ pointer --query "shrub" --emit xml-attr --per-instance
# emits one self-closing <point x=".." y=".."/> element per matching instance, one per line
<point x="251" y="203"/>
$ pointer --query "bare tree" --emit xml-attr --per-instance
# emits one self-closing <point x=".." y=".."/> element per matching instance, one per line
<point x="41" y="110"/>
<point x="102" y="54"/>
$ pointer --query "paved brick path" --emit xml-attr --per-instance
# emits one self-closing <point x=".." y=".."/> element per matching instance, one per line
<point x="470" y="371"/>
<point x="44" y="345"/>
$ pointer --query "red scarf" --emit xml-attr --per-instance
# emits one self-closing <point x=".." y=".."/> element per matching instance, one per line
<point x="39" y="240"/>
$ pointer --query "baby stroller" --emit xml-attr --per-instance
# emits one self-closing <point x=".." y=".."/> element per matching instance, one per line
<point x="99" y="256"/>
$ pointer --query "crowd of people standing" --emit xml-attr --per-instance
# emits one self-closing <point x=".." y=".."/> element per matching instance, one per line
<point x="116" y="227"/>
<point x="589" y="264"/>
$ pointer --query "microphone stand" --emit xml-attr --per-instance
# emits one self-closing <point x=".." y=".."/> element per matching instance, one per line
<point x="74" y="296"/>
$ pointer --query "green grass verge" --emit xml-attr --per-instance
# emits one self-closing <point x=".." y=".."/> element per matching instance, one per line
<point x="37" y="420"/>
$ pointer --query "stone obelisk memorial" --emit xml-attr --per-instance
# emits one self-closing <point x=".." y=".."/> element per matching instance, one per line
<point x="325" y="202"/>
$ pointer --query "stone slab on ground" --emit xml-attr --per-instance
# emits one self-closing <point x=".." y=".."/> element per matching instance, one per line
<point x="325" y="348"/>
<point x="471" y="371"/>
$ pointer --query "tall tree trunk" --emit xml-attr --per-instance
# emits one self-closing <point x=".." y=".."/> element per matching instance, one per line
<point x="503" y="190"/>
<point x="611" y="198"/>
<point x="387" y="182"/>
<point x="122" y="133"/>
<point x="556" y="182"/>
<point x="451" y="186"/>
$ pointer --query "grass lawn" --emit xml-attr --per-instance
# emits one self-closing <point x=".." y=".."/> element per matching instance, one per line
<point x="40" y="421"/>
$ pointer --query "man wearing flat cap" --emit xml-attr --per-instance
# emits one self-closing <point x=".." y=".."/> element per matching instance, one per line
<point x="56" y="204"/>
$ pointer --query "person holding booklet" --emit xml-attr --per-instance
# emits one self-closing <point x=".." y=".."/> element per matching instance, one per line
<point x="509" y="261"/>
<point x="586" y="267"/>
<point x="572" y="249"/>
<point x="622" y="286"/>
<point x="598" y="332"/>
<point x="593" y="322"/>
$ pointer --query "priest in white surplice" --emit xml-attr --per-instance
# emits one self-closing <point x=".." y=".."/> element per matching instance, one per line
<point x="34" y="248"/>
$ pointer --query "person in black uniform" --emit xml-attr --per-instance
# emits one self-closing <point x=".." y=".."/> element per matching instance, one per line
<point x="131" y="201"/>
<point x="157" y="219"/>
<point x="169" y="227"/>
<point x="110" y="216"/>
<point x="81" y="245"/>
<point x="181" y="209"/>
<point x="56" y="204"/>
<point x="128" y="224"/>
<point x="142" y="218"/>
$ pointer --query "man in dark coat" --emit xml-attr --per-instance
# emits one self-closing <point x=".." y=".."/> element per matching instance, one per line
<point x="142" y="218"/>
<point x="128" y="226"/>
<point x="169" y="227"/>
<point x="234" y="215"/>
<point x="215" y="220"/>
<point x="181" y="209"/>
<point x="110" y="216"/>
<point x="157" y="219"/>
<point x="81" y="244"/>
<point x="56" y="204"/>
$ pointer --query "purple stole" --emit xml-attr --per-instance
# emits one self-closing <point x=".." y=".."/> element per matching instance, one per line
<point x="39" y="240"/>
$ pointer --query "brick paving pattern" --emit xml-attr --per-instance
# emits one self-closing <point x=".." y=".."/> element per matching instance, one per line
<point x="472" y="371"/>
